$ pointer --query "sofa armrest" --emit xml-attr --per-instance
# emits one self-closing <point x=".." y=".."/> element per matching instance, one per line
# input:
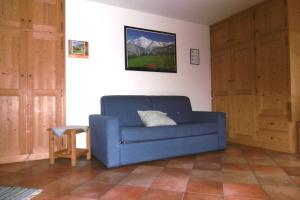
<point x="220" y="118"/>
<point x="105" y="139"/>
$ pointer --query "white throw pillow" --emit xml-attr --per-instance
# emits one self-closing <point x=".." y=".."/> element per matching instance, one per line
<point x="155" y="118"/>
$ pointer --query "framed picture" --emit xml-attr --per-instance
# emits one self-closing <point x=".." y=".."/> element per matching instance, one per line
<point x="149" y="50"/>
<point x="78" y="49"/>
<point x="194" y="57"/>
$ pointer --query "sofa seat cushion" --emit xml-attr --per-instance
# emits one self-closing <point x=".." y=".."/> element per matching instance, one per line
<point x="140" y="134"/>
<point x="196" y="129"/>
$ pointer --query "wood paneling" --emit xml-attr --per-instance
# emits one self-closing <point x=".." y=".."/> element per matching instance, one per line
<point x="11" y="59"/>
<point x="272" y="75"/>
<point x="46" y="15"/>
<point x="12" y="92"/>
<point x="241" y="27"/>
<point x="31" y="76"/>
<point x="243" y="69"/>
<point x="220" y="35"/>
<point x="12" y="13"/>
<point x="273" y="123"/>
<point x="244" y="115"/>
<point x="234" y="88"/>
<point x="222" y="104"/>
<point x="45" y="61"/>
<point x="243" y="90"/>
<point x="45" y="83"/>
<point x="222" y="73"/>
<point x="235" y="30"/>
<point x="12" y="127"/>
<point x="262" y="98"/>
<point x="270" y="17"/>
<point x="294" y="49"/>
<point x="44" y="116"/>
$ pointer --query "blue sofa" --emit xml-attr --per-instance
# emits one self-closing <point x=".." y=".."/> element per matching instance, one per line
<point x="118" y="136"/>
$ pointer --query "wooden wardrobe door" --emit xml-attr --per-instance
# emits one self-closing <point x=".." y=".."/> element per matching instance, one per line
<point x="46" y="81"/>
<point x="242" y="27"/>
<point x="221" y="78"/>
<point x="12" y="94"/>
<point x="221" y="70"/>
<point x="220" y="36"/>
<point x="243" y="91"/>
<point x="12" y="13"/>
<point x="223" y="104"/>
<point x="46" y="15"/>
<point x="272" y="75"/>
<point x="270" y="16"/>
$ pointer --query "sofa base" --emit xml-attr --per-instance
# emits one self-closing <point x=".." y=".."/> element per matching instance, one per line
<point x="154" y="150"/>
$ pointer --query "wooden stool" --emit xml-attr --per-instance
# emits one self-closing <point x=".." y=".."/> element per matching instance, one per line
<point x="71" y="151"/>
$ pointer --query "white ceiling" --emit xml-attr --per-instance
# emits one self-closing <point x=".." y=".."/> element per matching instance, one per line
<point x="200" y="11"/>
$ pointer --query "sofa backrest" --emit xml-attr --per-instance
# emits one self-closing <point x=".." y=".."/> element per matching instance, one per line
<point x="177" y="107"/>
<point x="125" y="107"/>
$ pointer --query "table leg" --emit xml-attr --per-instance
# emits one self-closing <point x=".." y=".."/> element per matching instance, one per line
<point x="69" y="144"/>
<point x="88" y="144"/>
<point x="51" y="147"/>
<point x="73" y="148"/>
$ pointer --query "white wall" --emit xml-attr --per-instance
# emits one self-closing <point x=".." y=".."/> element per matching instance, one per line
<point x="104" y="73"/>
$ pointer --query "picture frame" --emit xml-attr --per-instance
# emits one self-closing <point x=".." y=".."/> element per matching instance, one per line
<point x="149" y="50"/>
<point x="194" y="56"/>
<point x="78" y="49"/>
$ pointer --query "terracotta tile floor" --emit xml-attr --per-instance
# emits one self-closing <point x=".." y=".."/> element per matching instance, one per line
<point x="238" y="173"/>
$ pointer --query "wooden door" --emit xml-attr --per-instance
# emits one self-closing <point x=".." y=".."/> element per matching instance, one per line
<point x="45" y="87"/>
<point x="12" y="94"/>
<point x="242" y="27"/>
<point x="12" y="13"/>
<point x="273" y="75"/>
<point x="46" y="15"/>
<point x="221" y="80"/>
<point x="221" y="73"/>
<point x="223" y="104"/>
<point x="220" y="35"/>
<point x="270" y="17"/>
<point x="243" y="91"/>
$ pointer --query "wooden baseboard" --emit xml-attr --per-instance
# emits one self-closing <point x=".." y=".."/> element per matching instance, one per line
<point x="23" y="158"/>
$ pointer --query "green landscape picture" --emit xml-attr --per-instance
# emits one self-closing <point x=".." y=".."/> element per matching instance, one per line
<point x="148" y="50"/>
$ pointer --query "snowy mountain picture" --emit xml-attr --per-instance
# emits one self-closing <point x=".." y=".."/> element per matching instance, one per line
<point x="148" y="50"/>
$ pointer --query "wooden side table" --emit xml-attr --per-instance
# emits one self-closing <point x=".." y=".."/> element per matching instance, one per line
<point x="71" y="151"/>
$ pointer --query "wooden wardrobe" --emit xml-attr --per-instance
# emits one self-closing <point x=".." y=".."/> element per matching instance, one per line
<point x="256" y="74"/>
<point x="32" y="76"/>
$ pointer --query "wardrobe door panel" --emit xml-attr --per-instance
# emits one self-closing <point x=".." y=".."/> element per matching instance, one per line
<point x="12" y="94"/>
<point x="12" y="70"/>
<point x="31" y="76"/>
<point x="223" y="104"/>
<point x="242" y="27"/>
<point x="243" y="69"/>
<point x="243" y="89"/>
<point x="272" y="75"/>
<point x="220" y="36"/>
<point x="47" y="15"/>
<point x="243" y="115"/>
<point x="45" y="82"/>
<point x="12" y="127"/>
<point x="270" y="17"/>
<point x="221" y="73"/>
<point x="12" y="13"/>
